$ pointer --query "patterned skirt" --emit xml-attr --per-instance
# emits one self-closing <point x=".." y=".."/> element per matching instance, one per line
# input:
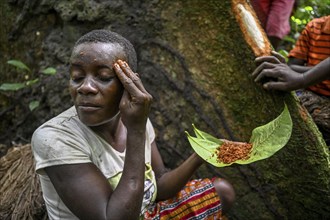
<point x="197" y="200"/>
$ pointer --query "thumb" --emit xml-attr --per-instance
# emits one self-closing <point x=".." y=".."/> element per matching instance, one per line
<point x="278" y="56"/>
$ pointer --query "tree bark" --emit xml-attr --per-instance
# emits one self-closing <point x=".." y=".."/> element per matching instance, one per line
<point x="195" y="58"/>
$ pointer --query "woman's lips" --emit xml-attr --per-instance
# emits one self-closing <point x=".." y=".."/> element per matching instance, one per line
<point x="88" y="107"/>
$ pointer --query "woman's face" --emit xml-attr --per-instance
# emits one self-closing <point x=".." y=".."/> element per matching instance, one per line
<point x="94" y="86"/>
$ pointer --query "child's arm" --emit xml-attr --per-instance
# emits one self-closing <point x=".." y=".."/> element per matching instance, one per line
<point x="279" y="76"/>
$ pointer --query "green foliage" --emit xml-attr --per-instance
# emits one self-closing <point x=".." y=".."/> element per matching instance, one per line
<point x="305" y="12"/>
<point x="33" y="104"/>
<point x="284" y="53"/>
<point x="300" y="19"/>
<point x="12" y="86"/>
<point x="270" y="138"/>
<point x="266" y="141"/>
<point x="31" y="82"/>
<point x="19" y="65"/>
<point x="22" y="67"/>
<point x="17" y="86"/>
<point x="49" y="71"/>
<point x="319" y="7"/>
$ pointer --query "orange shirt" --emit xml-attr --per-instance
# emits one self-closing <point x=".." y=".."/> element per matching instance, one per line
<point x="313" y="46"/>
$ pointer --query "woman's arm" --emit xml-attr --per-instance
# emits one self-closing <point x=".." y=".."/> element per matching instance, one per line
<point x="171" y="182"/>
<point x="87" y="193"/>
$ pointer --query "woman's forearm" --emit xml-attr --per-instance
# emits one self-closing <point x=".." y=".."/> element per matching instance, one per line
<point x="173" y="181"/>
<point x="130" y="190"/>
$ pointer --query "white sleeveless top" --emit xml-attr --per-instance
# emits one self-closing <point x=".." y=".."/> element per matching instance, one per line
<point x="66" y="140"/>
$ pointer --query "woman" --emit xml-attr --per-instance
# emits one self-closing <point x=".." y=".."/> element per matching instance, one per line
<point x="99" y="159"/>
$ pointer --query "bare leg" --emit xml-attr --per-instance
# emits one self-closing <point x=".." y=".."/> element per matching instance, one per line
<point x="226" y="193"/>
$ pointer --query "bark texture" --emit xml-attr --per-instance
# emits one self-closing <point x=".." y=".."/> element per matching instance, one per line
<point x="196" y="62"/>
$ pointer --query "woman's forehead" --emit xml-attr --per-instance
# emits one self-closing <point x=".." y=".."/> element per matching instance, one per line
<point x="100" y="50"/>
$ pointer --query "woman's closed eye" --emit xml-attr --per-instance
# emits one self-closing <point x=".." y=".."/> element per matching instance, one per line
<point x="76" y="77"/>
<point x="105" y="78"/>
<point x="76" y="73"/>
<point x="105" y="75"/>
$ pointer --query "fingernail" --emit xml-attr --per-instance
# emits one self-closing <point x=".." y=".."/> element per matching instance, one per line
<point x="116" y="65"/>
<point x="121" y="62"/>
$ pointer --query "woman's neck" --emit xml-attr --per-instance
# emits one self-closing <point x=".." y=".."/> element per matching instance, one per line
<point x="114" y="132"/>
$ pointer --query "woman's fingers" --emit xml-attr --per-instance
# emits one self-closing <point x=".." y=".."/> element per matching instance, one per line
<point x="126" y="81"/>
<point x="133" y="76"/>
<point x="132" y="83"/>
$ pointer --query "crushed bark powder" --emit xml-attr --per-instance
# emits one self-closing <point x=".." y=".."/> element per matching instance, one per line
<point x="230" y="151"/>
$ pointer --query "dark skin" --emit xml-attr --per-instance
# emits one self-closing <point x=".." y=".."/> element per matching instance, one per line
<point x="111" y="99"/>
<point x="298" y="65"/>
<point x="288" y="78"/>
<point x="275" y="41"/>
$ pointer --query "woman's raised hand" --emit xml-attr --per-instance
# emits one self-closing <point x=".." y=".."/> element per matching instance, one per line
<point x="136" y="101"/>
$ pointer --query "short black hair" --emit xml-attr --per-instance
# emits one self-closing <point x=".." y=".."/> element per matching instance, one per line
<point x="107" y="36"/>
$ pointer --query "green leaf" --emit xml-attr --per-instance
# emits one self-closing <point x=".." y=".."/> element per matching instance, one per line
<point x="284" y="53"/>
<point x="289" y="39"/>
<point x="308" y="8"/>
<point x="270" y="138"/>
<point x="49" y="71"/>
<point x="19" y="64"/>
<point x="12" y="86"/>
<point x="31" y="82"/>
<point x="206" y="136"/>
<point x="33" y="105"/>
<point x="206" y="149"/>
<point x="266" y="141"/>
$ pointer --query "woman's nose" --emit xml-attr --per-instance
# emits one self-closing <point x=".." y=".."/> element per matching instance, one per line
<point x="88" y="86"/>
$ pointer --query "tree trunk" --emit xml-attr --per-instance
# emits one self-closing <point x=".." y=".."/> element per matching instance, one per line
<point x="195" y="58"/>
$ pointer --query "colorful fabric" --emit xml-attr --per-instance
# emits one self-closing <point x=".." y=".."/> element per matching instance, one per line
<point x="197" y="200"/>
<point x="274" y="16"/>
<point x="313" y="46"/>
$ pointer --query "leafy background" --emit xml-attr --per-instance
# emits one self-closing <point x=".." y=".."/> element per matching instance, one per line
<point x="305" y="11"/>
